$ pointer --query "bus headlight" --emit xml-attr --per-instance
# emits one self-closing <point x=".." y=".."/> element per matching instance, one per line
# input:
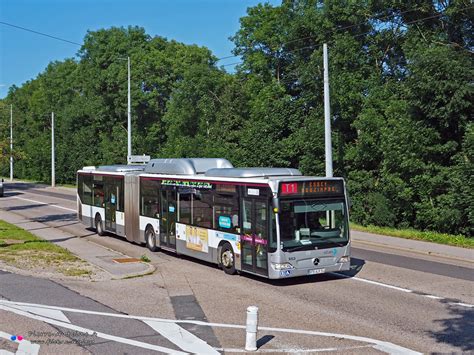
<point x="283" y="266"/>
<point x="345" y="259"/>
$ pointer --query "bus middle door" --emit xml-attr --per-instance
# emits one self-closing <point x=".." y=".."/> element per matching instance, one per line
<point x="254" y="241"/>
<point x="110" y="201"/>
<point x="169" y="211"/>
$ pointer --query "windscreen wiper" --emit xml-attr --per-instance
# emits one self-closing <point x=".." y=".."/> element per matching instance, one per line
<point x="299" y="247"/>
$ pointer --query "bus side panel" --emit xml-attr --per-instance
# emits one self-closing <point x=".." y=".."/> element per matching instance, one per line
<point x="89" y="213"/>
<point x="203" y="244"/>
<point x="217" y="237"/>
<point x="154" y="222"/>
<point x="132" y="227"/>
<point x="196" y="244"/>
<point x="87" y="218"/>
<point x="120" y="223"/>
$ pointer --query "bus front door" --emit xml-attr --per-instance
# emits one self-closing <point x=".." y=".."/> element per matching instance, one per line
<point x="110" y="201"/>
<point x="168" y="218"/>
<point x="254" y="241"/>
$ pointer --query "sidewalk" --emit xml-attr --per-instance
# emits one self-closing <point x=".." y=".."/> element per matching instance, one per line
<point x="416" y="246"/>
<point x="89" y="251"/>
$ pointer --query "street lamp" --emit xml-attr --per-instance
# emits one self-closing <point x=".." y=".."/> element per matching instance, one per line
<point x="53" y="167"/>
<point x="11" y="142"/>
<point x="129" y="113"/>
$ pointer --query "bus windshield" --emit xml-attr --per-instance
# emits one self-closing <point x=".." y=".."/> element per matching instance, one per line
<point x="312" y="224"/>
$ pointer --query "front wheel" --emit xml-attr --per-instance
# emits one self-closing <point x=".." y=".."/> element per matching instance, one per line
<point x="227" y="259"/>
<point x="99" y="226"/>
<point x="150" y="239"/>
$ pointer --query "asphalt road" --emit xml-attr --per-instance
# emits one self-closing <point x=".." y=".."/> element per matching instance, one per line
<point x="419" y="302"/>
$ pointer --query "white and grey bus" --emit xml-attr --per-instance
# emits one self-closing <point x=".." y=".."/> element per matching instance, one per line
<point x="271" y="222"/>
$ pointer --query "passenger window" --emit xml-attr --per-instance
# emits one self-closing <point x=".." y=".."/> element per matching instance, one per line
<point x="185" y="204"/>
<point x="202" y="209"/>
<point x="149" y="198"/>
<point x="226" y="216"/>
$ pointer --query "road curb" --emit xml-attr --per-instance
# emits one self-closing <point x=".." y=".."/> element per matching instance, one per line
<point x="150" y="268"/>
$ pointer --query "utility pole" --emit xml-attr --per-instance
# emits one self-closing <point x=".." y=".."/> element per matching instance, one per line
<point x="53" y="178"/>
<point x="327" y="114"/>
<point x="129" y="115"/>
<point x="11" y="142"/>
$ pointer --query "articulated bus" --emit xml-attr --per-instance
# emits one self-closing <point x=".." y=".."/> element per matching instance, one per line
<point x="271" y="222"/>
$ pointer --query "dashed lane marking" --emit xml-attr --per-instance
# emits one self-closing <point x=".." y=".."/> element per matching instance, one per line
<point x="383" y="346"/>
<point x="41" y="203"/>
<point x="401" y="289"/>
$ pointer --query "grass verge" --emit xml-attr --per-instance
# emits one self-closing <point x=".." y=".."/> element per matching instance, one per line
<point x="21" y="249"/>
<point x="440" y="238"/>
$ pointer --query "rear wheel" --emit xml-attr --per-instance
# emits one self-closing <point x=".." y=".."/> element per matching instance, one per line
<point x="227" y="259"/>
<point x="99" y="226"/>
<point x="150" y="239"/>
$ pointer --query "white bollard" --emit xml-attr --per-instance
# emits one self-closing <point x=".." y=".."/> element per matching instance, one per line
<point x="251" y="330"/>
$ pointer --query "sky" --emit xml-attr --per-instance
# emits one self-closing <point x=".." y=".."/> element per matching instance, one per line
<point x="23" y="55"/>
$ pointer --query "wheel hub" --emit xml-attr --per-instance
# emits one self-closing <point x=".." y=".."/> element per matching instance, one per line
<point x="227" y="258"/>
<point x="151" y="240"/>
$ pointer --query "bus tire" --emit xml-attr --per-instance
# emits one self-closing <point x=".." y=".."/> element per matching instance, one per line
<point x="99" y="225"/>
<point x="227" y="259"/>
<point x="150" y="239"/>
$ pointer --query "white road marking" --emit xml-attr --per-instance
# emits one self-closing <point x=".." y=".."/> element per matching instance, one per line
<point x="376" y="344"/>
<point x="181" y="337"/>
<point x="25" y="347"/>
<point x="382" y="284"/>
<point x="406" y="290"/>
<point x="45" y="312"/>
<point x="384" y="346"/>
<point x="371" y="282"/>
<point x="434" y="297"/>
<point x="43" y="203"/>
<point x="461" y="304"/>
<point x="92" y="332"/>
<point x="297" y="351"/>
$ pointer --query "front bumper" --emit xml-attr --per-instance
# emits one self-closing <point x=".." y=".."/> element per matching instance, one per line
<point x="284" y="274"/>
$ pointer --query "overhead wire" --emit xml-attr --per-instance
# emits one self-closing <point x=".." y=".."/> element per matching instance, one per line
<point x="357" y="35"/>
<point x="283" y="44"/>
<point x="351" y="26"/>
<point x="337" y="29"/>
<point x="40" y="33"/>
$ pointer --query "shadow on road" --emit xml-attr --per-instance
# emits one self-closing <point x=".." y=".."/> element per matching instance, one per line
<point x="264" y="340"/>
<point x="23" y="186"/>
<point x="63" y="217"/>
<point x="24" y="207"/>
<point x="458" y="330"/>
<point x="11" y="193"/>
<point x="38" y="189"/>
<point x="356" y="267"/>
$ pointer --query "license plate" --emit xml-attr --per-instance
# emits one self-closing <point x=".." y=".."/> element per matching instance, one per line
<point x="316" y="271"/>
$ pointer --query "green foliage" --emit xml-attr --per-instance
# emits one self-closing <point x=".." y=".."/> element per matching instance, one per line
<point x="401" y="102"/>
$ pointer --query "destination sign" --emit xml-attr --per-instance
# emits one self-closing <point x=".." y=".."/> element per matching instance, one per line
<point x="190" y="184"/>
<point x="312" y="188"/>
